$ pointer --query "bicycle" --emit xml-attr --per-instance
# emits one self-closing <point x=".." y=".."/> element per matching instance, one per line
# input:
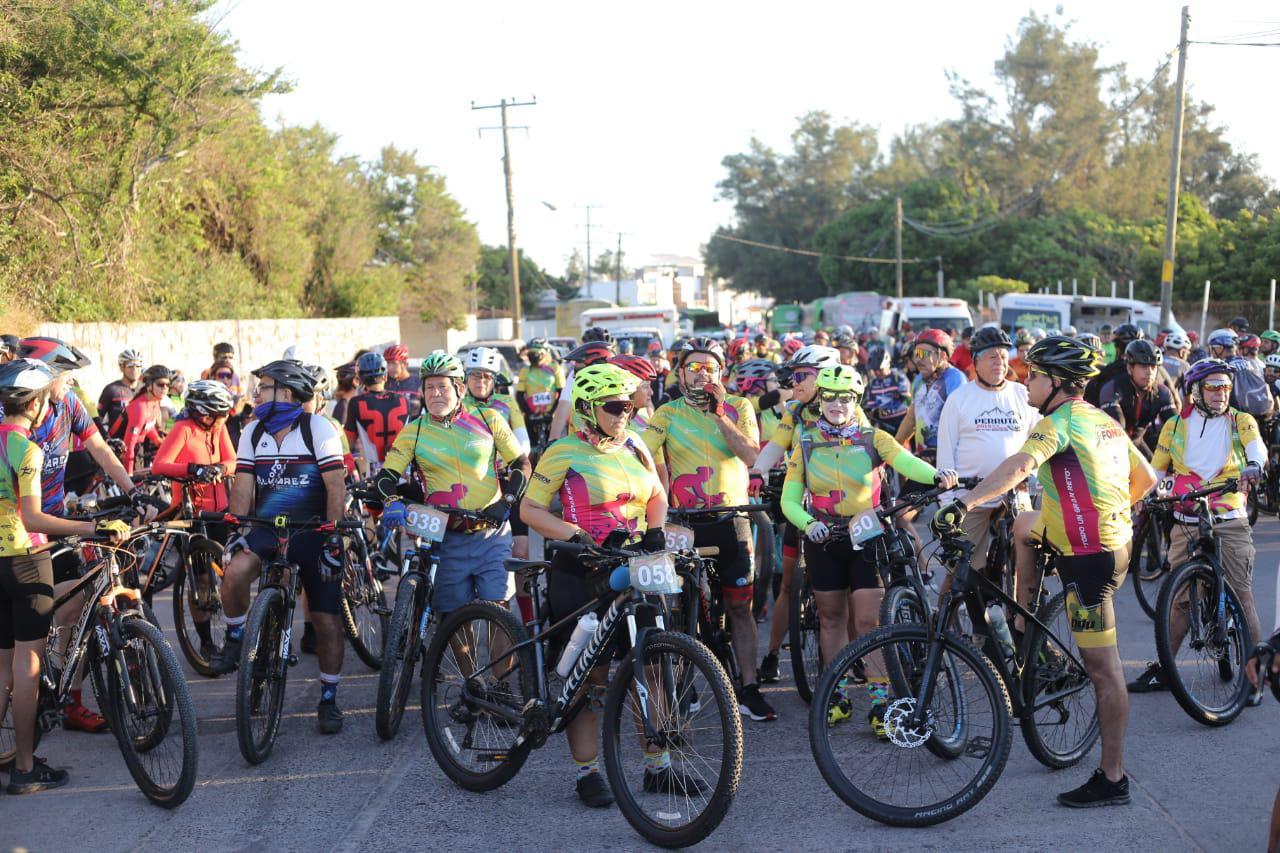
<point x="267" y="650"/>
<point x="488" y="697"/>
<point x="955" y="701"/>
<point x="1205" y="671"/>
<point x="1149" y="560"/>
<point x="366" y="615"/>
<point x="539" y="429"/>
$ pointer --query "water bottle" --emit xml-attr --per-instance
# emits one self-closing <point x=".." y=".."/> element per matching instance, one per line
<point x="587" y="624"/>
<point x="1000" y="629"/>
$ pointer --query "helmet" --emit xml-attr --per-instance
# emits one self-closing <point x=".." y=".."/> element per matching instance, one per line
<point x="598" y="381"/>
<point x="655" y="347"/>
<point x="21" y="380"/>
<point x="223" y="349"/>
<point x="879" y="359"/>
<point x="1069" y="331"/>
<point x="846" y="341"/>
<point x="1126" y="332"/>
<point x="596" y="333"/>
<point x="701" y="343"/>
<point x="483" y="358"/>
<point x="937" y="338"/>
<point x="1197" y="373"/>
<point x="371" y="366"/>
<point x="1105" y="327"/>
<point x="1271" y="335"/>
<point x="637" y="365"/>
<point x="815" y="356"/>
<point x="1239" y="324"/>
<point x="292" y="375"/>
<point x="1223" y="338"/>
<point x="155" y="373"/>
<point x="1023" y="338"/>
<point x="989" y="337"/>
<point x="130" y="356"/>
<point x="9" y="344"/>
<point x="53" y="352"/>
<point x="1176" y="340"/>
<point x="626" y="346"/>
<point x="208" y="397"/>
<point x="396" y="352"/>
<point x="756" y="368"/>
<point x="1273" y="360"/>
<point x="791" y="346"/>
<point x="1249" y="342"/>
<point x="1090" y="339"/>
<point x="1193" y="336"/>
<point x="1143" y="352"/>
<point x="346" y="372"/>
<point x="592" y="352"/>
<point x="736" y="347"/>
<point x="1066" y="358"/>
<point x="1039" y="333"/>
<point x="321" y="376"/>
<point x="440" y="363"/>
<point x="842" y="377"/>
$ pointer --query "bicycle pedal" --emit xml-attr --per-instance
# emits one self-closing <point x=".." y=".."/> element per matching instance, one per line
<point x="293" y="660"/>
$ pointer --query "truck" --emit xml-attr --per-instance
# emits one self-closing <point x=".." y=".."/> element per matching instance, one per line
<point x="1051" y="311"/>
<point x="784" y="318"/>
<point x="923" y="312"/>
<point x="569" y="315"/>
<point x="645" y="321"/>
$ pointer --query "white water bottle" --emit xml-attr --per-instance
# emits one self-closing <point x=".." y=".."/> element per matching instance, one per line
<point x="1000" y="626"/>
<point x="586" y="628"/>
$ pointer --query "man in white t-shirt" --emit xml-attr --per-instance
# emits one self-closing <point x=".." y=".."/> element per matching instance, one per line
<point x="983" y="423"/>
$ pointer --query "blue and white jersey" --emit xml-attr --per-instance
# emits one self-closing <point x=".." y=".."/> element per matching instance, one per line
<point x="286" y="476"/>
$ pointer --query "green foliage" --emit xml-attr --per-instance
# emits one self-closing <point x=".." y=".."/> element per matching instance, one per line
<point x="494" y="279"/>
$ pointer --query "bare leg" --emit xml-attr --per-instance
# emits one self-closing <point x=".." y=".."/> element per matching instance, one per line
<point x="1107" y="674"/>
<point x="743" y="627"/>
<point x="1024" y="559"/>
<point x="780" y="622"/>
<point x="24" y="660"/>
<point x="330" y="641"/>
<point x="833" y="619"/>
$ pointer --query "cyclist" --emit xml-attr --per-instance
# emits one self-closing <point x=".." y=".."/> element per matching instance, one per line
<point x="834" y="471"/>
<point x="453" y="451"/>
<point x="26" y="575"/>
<point x="8" y="348"/>
<point x="400" y="379"/>
<point x="116" y="395"/>
<point x="1125" y="334"/>
<point x="1092" y="475"/>
<point x="1222" y="344"/>
<point x="888" y="390"/>
<point x="143" y="418"/>
<point x="709" y="439"/>
<point x="1137" y="401"/>
<point x="1270" y="343"/>
<point x="1212" y="444"/>
<point x="289" y="464"/>
<point x="847" y="346"/>
<point x="1249" y="346"/>
<point x="1271" y="373"/>
<point x="962" y="358"/>
<point x="376" y="415"/>
<point x="316" y="406"/>
<point x="224" y="356"/>
<point x="642" y="397"/>
<point x="595" y="349"/>
<point x="757" y="381"/>
<point x="347" y="388"/>
<point x="1176" y="346"/>
<point x="1018" y="367"/>
<point x="538" y="386"/>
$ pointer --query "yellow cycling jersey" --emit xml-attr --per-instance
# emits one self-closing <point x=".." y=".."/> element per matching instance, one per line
<point x="600" y="490"/>
<point x="793" y="412"/>
<point x="21" y="464"/>
<point x="503" y="404"/>
<point x="704" y="471"/>
<point x="456" y="460"/>
<point x="1171" y="456"/>
<point x="541" y="386"/>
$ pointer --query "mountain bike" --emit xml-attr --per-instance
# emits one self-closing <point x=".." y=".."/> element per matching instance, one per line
<point x="490" y="695"/>
<point x="366" y="614"/>
<point x="1149" y="560"/>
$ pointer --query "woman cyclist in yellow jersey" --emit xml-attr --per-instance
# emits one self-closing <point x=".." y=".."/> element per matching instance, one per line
<point x="833" y="475"/>
<point x="606" y="482"/>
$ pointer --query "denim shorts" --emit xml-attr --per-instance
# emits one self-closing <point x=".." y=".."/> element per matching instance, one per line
<point x="471" y="568"/>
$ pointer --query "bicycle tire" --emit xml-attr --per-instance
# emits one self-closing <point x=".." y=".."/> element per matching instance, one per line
<point x="1184" y="687"/>
<point x="994" y="749"/>
<point x="803" y="630"/>
<point x="1146" y="565"/>
<point x="365" y="614"/>
<point x="399" y="653"/>
<point x="263" y="674"/>
<point x="507" y="757"/>
<point x="197" y="587"/>
<point x="645" y="812"/>
<point x="1048" y="668"/>
<point x="154" y="677"/>
<point x="95" y="666"/>
<point x="1251" y="504"/>
<point x="766" y="560"/>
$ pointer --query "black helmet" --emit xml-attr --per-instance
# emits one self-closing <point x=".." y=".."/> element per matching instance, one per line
<point x="1065" y="358"/>
<point x="701" y="343"/>
<point x="9" y="344"/>
<point x="592" y="352"/>
<point x="155" y="373"/>
<point x="1126" y="332"/>
<point x="989" y="337"/>
<point x="596" y="333"/>
<point x="346" y="372"/>
<point x="1239" y="323"/>
<point x="879" y="359"/>
<point x="321" y="377"/>
<point x="1142" y="352"/>
<point x="846" y="341"/>
<point x="53" y="352"/>
<point x="292" y="375"/>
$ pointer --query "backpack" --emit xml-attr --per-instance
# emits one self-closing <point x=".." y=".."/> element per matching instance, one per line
<point x="304" y="424"/>
<point x="1249" y="391"/>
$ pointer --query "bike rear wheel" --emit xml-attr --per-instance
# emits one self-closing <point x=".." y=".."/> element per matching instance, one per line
<point x="1059" y="706"/>
<point x="400" y="652"/>
<point x="260" y="681"/>
<point x="197" y="601"/>
<point x="474" y="746"/>
<point x="704" y="747"/>
<point x="152" y="715"/>
<point x="806" y="653"/>
<point x="894" y="781"/>
<point x="1206" y="675"/>
<point x="366" y="615"/>
<point x="1146" y="564"/>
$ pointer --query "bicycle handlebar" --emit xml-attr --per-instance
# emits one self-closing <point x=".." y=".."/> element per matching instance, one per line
<point x="1232" y="485"/>
<point x="616" y="553"/>
<point x="716" y="510"/>
<point x="278" y="521"/>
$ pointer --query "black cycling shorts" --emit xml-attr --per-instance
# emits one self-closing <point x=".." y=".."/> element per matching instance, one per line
<point x="304" y="552"/>
<point x="26" y="598"/>
<point x="518" y="527"/>
<point x="790" y="536"/>
<point x="734" y="567"/>
<point x="834" y="565"/>
<point x="1090" y="581"/>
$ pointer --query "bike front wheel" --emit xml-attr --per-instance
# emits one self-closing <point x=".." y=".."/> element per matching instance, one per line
<point x="399" y="654"/>
<point x="806" y="653"/>
<point x="1059" y="706"/>
<point x="264" y="669"/>
<point x="197" y="605"/>
<point x="366" y="615"/>
<point x="1146" y="565"/>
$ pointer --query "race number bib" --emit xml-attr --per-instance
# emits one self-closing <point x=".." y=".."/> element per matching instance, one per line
<point x="864" y="527"/>
<point x="655" y="573"/>
<point x="678" y="538"/>
<point x="424" y="521"/>
<point x="543" y="398"/>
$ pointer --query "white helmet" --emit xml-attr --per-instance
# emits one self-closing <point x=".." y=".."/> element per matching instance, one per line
<point x="131" y="356"/>
<point x="1177" y="340"/>
<point x="483" y="358"/>
<point x="815" y="356"/>
<point x="1273" y="360"/>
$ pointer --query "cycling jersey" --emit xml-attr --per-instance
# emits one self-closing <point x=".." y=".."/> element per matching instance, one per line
<point x="1202" y="451"/>
<point x="505" y="405"/>
<point x="141" y="422"/>
<point x="889" y="396"/>
<point x="68" y="419"/>
<point x="929" y="401"/>
<point x="348" y="461"/>
<point x="540" y="386"/>
<point x="1175" y="367"/>
<point x="20" y="465"/>
<point x="374" y="419"/>
<point x="287" y="476"/>
<point x="793" y="412"/>
<point x="190" y="444"/>
<point x="113" y="400"/>
<point x="1139" y="412"/>
<point x="1117" y="370"/>
<point x="1085" y="459"/>
<point x="1019" y="369"/>
<point x="840" y="474"/>
<point x="411" y="388"/>
<point x="600" y="491"/>
<point x="769" y="420"/>
<point x="455" y="459"/>
<point x="704" y="471"/>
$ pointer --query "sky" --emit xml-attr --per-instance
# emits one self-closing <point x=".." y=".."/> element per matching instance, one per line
<point x="638" y="103"/>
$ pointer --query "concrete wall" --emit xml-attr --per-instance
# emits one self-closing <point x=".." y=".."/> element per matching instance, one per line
<point x="188" y="346"/>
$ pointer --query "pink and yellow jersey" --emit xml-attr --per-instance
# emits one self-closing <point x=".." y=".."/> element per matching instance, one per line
<point x="704" y="471"/>
<point x="20" y="465"/>
<point x="455" y="461"/>
<point x="541" y="387"/>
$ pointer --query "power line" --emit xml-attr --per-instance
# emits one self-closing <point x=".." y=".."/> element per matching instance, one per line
<point x="1240" y="43"/>
<point x="811" y="254"/>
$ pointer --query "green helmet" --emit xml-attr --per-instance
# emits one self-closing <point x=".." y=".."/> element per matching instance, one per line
<point x="842" y="377"/>
<point x="599" y="381"/>
<point x="440" y="363"/>
<point x="1271" y="335"/>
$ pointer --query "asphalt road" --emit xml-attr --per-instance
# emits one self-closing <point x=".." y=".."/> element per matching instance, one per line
<point x="1194" y="788"/>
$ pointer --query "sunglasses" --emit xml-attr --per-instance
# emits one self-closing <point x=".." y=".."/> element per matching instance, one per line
<point x="702" y="367"/>
<point x="924" y="351"/>
<point x="1225" y="387"/>
<point x="618" y="408"/>
<point x="837" y="396"/>
<point x="223" y="375"/>
<point x="160" y="384"/>
<point x="801" y="374"/>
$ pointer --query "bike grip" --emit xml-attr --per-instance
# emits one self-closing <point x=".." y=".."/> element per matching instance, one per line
<point x="567" y="547"/>
<point x="969" y="482"/>
<point x="350" y="525"/>
<point x="211" y="516"/>
<point x="708" y="551"/>
<point x="620" y="579"/>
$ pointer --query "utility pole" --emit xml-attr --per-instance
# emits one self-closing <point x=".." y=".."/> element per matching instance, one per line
<point x="1175" y="169"/>
<point x="588" y="208"/>
<point x="898" y="244"/>
<point x="503" y="105"/>
<point x="617" y="273"/>
<point x="941" y="291"/>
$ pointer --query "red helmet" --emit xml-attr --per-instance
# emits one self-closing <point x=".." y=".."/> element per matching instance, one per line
<point x="736" y="346"/>
<point x="655" y="346"/>
<point x="791" y="346"/>
<point x="935" y="337"/>
<point x="1249" y="341"/>
<point x="637" y="365"/>
<point x="1193" y="335"/>
<point x="396" y="352"/>
<point x="592" y="352"/>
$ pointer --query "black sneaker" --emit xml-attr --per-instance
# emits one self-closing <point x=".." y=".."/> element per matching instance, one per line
<point x="1098" y="791"/>
<point x="753" y="704"/>
<point x="594" y="791"/>
<point x="858" y="672"/>
<point x="41" y="777"/>
<point x="1151" y="680"/>
<point x="228" y="657"/>
<point x="668" y="780"/>
<point x="329" y="716"/>
<point x="209" y="650"/>
<point x="769" y="669"/>
<point x="308" y="639"/>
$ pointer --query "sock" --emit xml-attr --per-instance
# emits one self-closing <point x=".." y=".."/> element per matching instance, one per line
<point x="842" y="687"/>
<point x="203" y="632"/>
<point x="878" y="690"/>
<point x="586" y="768"/>
<point x="308" y="630"/>
<point x="656" y="761"/>
<point x="235" y="626"/>
<point x="329" y="687"/>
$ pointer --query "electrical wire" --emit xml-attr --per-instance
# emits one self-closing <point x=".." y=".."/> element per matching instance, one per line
<point x="812" y="254"/>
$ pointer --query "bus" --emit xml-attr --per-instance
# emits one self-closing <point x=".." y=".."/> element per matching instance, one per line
<point x="1051" y="311"/>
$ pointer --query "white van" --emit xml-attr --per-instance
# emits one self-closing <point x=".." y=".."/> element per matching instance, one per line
<point x="924" y="312"/>
<point x="1051" y="311"/>
<point x="651" y="320"/>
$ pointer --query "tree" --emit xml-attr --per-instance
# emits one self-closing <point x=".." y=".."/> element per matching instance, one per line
<point x="494" y="279"/>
